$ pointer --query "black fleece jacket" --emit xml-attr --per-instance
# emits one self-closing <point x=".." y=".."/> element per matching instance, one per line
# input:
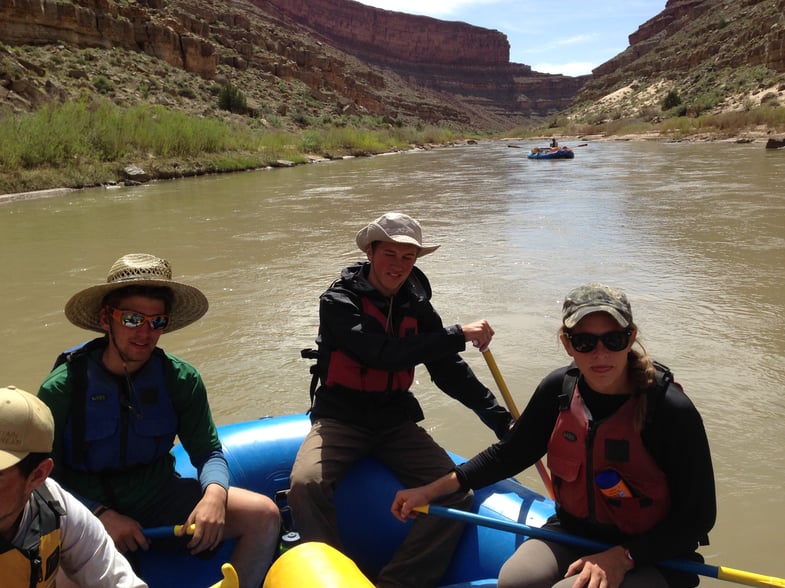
<point x="343" y="326"/>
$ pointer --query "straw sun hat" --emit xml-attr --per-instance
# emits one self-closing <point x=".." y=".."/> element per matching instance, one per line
<point x="137" y="269"/>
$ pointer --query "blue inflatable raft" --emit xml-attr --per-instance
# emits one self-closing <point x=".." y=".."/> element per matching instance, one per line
<point x="260" y="455"/>
<point x="560" y="153"/>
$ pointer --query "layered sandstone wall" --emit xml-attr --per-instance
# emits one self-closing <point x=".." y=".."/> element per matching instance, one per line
<point x="390" y="37"/>
<point x="689" y="33"/>
<point x="103" y="23"/>
<point x="342" y="50"/>
<point x="451" y="57"/>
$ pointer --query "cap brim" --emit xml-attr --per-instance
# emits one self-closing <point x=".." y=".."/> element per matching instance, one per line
<point x="573" y="319"/>
<point x="11" y="458"/>
<point x="364" y="239"/>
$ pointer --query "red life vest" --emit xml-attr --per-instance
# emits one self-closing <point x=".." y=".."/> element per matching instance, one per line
<point x="578" y="450"/>
<point x="348" y="373"/>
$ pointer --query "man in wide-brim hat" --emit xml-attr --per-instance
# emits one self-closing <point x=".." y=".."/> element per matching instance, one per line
<point x="376" y="324"/>
<point x="118" y="403"/>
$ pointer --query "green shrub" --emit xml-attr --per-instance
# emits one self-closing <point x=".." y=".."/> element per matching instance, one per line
<point x="103" y="85"/>
<point x="186" y="92"/>
<point x="671" y="100"/>
<point x="232" y="99"/>
<point x="300" y="118"/>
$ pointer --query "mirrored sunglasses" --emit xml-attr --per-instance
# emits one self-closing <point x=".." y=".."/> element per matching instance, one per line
<point x="612" y="340"/>
<point x="134" y="320"/>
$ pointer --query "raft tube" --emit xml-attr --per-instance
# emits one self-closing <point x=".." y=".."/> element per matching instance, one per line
<point x="260" y="455"/>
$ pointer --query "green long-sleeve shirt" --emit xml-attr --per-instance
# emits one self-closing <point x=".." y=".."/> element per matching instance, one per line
<point x="132" y="489"/>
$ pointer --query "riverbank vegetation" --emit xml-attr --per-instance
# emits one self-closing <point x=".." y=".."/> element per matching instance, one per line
<point x="88" y="143"/>
<point x="669" y="124"/>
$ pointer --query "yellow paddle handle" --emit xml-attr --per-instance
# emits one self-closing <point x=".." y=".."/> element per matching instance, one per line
<point x="748" y="578"/>
<point x="189" y="531"/>
<point x="497" y="376"/>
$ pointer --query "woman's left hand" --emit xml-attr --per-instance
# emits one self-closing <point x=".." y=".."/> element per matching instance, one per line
<point x="601" y="570"/>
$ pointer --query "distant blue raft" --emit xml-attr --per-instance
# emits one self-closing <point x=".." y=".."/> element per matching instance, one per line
<point x="558" y="153"/>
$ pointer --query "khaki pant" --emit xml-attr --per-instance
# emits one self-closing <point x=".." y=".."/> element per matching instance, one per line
<point x="329" y="450"/>
<point x="542" y="564"/>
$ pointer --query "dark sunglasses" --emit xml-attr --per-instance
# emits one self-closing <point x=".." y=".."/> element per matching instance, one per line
<point x="586" y="342"/>
<point x="134" y="320"/>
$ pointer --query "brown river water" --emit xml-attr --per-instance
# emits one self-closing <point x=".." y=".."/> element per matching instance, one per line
<point x="695" y="233"/>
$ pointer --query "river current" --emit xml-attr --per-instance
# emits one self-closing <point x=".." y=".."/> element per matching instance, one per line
<point x="695" y="233"/>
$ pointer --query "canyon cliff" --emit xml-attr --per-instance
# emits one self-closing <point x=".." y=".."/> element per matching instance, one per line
<point x="359" y="58"/>
<point x="718" y="55"/>
<point x="297" y="60"/>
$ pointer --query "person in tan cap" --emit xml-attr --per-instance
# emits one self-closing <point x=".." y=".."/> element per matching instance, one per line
<point x="118" y="403"/>
<point x="628" y="455"/>
<point x="376" y="324"/>
<point x="43" y="528"/>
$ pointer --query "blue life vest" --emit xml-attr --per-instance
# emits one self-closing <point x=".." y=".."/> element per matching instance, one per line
<point x="117" y="422"/>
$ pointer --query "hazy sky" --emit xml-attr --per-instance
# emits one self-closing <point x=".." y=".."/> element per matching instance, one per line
<point x="569" y="36"/>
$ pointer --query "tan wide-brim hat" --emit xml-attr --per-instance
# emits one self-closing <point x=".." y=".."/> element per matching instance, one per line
<point x="394" y="227"/>
<point x="137" y="269"/>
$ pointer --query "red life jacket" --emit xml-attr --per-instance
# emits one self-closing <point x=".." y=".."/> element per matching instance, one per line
<point x="580" y="449"/>
<point x="346" y="372"/>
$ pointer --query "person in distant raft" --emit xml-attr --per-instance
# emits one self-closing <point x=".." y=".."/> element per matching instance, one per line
<point x="43" y="528"/>
<point x="628" y="455"/>
<point x="119" y="402"/>
<point x="376" y="324"/>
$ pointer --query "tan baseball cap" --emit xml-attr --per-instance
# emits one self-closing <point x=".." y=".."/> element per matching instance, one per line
<point x="26" y="426"/>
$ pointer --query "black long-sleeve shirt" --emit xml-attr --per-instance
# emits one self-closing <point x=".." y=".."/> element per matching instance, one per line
<point x="344" y="326"/>
<point x="675" y="438"/>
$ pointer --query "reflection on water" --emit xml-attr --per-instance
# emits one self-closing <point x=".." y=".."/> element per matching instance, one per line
<point x="695" y="234"/>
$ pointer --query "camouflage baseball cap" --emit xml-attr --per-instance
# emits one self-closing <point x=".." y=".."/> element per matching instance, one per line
<point x="596" y="297"/>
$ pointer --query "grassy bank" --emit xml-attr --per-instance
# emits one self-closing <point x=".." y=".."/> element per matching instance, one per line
<point x="89" y="143"/>
<point x="85" y="143"/>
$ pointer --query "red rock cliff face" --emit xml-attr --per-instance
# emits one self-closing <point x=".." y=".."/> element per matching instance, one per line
<point x="102" y="23"/>
<point x="689" y="33"/>
<point x="391" y="37"/>
<point x="345" y="52"/>
<point x="451" y="57"/>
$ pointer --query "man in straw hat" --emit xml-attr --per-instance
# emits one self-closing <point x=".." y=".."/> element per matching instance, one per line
<point x="43" y="528"/>
<point x="118" y="403"/>
<point x="376" y="325"/>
